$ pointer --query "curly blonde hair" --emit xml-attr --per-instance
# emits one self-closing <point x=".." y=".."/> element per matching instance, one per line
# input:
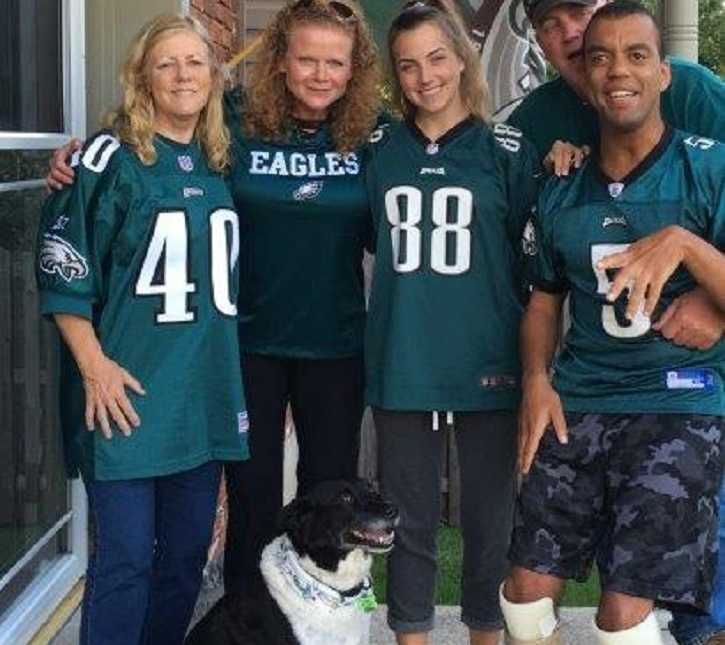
<point x="133" y="120"/>
<point x="473" y="87"/>
<point x="268" y="104"/>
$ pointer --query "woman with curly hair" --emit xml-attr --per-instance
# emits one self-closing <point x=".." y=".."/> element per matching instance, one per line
<point x="299" y="131"/>
<point x="137" y="264"/>
<point x="297" y="179"/>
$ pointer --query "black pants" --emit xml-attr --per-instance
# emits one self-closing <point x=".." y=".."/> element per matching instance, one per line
<point x="326" y="397"/>
<point x="409" y="454"/>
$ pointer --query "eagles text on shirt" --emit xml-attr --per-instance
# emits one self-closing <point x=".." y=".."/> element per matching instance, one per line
<point x="298" y="164"/>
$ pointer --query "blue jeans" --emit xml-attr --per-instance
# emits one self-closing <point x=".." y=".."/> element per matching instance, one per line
<point x="695" y="629"/>
<point x="150" y="539"/>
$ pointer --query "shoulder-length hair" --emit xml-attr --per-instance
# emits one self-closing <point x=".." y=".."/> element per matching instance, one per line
<point x="133" y="120"/>
<point x="268" y="104"/>
<point x="473" y="88"/>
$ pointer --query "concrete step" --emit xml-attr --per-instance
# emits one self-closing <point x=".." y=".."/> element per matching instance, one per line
<point x="448" y="629"/>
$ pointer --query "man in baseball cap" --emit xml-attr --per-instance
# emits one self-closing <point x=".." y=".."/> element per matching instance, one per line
<point x="536" y="9"/>
<point x="559" y="110"/>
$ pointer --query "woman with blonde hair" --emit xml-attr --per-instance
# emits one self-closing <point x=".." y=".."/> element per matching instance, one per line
<point x="450" y="197"/>
<point x="137" y="265"/>
<point x="299" y="132"/>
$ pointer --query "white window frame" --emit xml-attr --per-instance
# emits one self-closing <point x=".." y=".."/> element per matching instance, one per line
<point x="32" y="608"/>
<point x="74" y="87"/>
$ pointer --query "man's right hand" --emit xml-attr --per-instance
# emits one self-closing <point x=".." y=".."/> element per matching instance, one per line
<point x="692" y="320"/>
<point x="540" y="409"/>
<point x="61" y="174"/>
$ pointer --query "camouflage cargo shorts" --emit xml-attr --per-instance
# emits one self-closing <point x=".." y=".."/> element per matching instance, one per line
<point x="638" y="492"/>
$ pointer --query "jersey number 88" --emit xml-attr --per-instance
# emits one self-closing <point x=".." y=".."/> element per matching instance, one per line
<point x="407" y="249"/>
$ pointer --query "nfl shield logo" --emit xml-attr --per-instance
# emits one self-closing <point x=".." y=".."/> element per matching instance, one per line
<point x="185" y="163"/>
<point x="615" y="189"/>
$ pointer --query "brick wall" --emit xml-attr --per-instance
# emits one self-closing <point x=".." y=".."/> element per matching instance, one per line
<point x="222" y="19"/>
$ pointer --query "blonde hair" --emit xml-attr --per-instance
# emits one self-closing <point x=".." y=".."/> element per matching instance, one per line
<point x="133" y="120"/>
<point x="268" y="104"/>
<point x="473" y="87"/>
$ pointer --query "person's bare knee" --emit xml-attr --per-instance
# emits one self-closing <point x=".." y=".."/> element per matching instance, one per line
<point x="618" y="611"/>
<point x="418" y="638"/>
<point x="524" y="585"/>
<point x="481" y="637"/>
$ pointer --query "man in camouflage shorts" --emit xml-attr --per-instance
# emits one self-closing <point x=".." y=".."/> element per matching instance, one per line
<point x="619" y="490"/>
<point x="622" y="448"/>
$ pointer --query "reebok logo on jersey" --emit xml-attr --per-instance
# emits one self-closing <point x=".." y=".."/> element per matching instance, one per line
<point x="58" y="256"/>
<point x="616" y="220"/>
<point x="498" y="381"/>
<point x="690" y="379"/>
<point x="310" y="190"/>
<point x="190" y="191"/>
<point x="60" y="223"/>
<point x="432" y="171"/>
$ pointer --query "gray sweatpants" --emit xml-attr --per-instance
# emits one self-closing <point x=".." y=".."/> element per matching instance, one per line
<point x="409" y="453"/>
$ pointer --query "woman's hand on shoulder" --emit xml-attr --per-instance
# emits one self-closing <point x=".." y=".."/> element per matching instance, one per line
<point x="105" y="383"/>
<point x="61" y="174"/>
<point x="564" y="156"/>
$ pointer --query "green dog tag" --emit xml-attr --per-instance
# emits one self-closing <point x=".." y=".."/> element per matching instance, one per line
<point x="367" y="602"/>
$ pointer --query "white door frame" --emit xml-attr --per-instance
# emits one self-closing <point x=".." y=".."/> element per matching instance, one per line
<point x="38" y="601"/>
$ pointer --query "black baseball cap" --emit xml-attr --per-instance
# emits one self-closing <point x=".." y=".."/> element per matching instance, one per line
<point x="536" y="9"/>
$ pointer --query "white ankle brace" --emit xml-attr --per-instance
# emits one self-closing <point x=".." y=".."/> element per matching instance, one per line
<point x="529" y="621"/>
<point x="645" y="633"/>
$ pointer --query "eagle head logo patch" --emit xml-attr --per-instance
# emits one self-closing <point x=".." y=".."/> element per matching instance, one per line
<point x="306" y="191"/>
<point x="58" y="256"/>
<point x="528" y="239"/>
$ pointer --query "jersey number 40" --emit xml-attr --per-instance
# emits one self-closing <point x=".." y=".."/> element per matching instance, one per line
<point x="451" y="213"/>
<point x="165" y="268"/>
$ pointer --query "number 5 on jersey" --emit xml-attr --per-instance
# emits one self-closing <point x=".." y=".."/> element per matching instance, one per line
<point x="451" y="212"/>
<point x="640" y="324"/>
<point x="165" y="267"/>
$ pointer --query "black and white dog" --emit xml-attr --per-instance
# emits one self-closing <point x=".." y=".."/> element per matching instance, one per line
<point x="317" y="574"/>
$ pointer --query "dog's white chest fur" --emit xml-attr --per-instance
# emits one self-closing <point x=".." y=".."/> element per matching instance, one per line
<point x="318" y="614"/>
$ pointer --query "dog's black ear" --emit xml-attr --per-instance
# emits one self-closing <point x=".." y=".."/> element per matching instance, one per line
<point x="292" y="517"/>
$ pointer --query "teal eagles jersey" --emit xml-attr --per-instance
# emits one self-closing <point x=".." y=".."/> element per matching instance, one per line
<point x="609" y="364"/>
<point x="693" y="102"/>
<point x="149" y="254"/>
<point x="446" y="298"/>
<point x="305" y="222"/>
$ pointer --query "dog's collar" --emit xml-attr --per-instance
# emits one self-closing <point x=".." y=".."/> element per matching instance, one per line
<point x="281" y="554"/>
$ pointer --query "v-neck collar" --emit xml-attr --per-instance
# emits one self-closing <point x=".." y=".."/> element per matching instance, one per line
<point x="641" y="168"/>
<point x="433" y="147"/>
